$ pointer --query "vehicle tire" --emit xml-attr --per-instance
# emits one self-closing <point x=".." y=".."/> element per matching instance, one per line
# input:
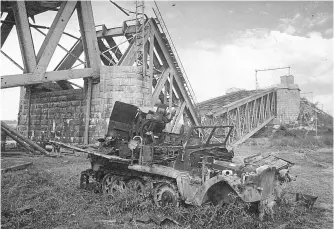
<point x="136" y="185"/>
<point x="166" y="194"/>
<point x="112" y="184"/>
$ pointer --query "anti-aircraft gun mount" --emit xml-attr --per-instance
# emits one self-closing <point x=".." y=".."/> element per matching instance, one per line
<point x="137" y="154"/>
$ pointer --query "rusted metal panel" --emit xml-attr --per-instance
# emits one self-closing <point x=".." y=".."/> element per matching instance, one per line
<point x="268" y="159"/>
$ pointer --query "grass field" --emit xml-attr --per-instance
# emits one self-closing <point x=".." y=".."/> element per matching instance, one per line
<point x="46" y="195"/>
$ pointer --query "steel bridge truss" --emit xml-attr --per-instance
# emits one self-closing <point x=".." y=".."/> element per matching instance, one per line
<point x="247" y="115"/>
<point x="166" y="74"/>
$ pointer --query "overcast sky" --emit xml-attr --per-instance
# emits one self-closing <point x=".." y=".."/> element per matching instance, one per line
<point x="221" y="44"/>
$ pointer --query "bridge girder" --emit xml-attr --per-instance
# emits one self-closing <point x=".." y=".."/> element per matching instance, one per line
<point x="157" y="53"/>
<point x="247" y="115"/>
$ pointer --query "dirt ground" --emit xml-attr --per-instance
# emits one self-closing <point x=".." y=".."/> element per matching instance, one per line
<point x="314" y="170"/>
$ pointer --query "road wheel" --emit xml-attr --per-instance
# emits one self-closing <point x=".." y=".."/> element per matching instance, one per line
<point x="166" y="194"/>
<point x="112" y="184"/>
<point x="136" y="185"/>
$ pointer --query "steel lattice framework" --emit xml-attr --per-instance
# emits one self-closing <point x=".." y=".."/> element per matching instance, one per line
<point x="159" y="60"/>
<point x="247" y="115"/>
<point x="167" y="79"/>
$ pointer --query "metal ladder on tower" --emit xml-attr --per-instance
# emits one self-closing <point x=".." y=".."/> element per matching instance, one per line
<point x="139" y="36"/>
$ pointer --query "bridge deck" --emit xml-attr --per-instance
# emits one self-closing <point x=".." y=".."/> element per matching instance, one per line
<point x="217" y="102"/>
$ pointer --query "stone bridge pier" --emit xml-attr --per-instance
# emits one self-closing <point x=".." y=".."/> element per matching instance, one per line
<point x="288" y="101"/>
<point x="60" y="114"/>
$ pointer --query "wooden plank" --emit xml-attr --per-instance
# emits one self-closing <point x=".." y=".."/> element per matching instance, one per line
<point x="22" y="143"/>
<point x="16" y="167"/>
<point x="52" y="38"/>
<point x="25" y="79"/>
<point x="24" y="36"/>
<point x="110" y="157"/>
<point x="28" y="141"/>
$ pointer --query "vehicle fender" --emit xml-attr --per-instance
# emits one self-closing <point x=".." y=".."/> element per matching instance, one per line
<point x="230" y="183"/>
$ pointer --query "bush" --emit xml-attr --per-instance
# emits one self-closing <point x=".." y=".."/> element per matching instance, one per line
<point x="297" y="138"/>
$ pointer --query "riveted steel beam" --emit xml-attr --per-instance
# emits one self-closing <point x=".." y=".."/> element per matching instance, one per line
<point x="52" y="38"/>
<point x="24" y="36"/>
<point x="8" y="81"/>
<point x="92" y="54"/>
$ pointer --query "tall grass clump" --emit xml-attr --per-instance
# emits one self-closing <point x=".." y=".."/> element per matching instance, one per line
<point x="284" y="137"/>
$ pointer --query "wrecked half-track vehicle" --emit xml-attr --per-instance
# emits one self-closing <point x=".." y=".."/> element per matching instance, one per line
<point x="136" y="154"/>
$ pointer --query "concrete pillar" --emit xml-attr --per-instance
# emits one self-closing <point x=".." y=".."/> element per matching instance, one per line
<point x="288" y="100"/>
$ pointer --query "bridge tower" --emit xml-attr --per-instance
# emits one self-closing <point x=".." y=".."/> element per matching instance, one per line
<point x="53" y="107"/>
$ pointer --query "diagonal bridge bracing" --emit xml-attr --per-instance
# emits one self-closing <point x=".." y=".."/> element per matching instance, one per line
<point x="248" y="115"/>
<point x="159" y="62"/>
<point x="167" y="80"/>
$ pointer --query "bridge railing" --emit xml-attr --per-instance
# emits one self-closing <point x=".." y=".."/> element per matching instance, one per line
<point x="247" y="115"/>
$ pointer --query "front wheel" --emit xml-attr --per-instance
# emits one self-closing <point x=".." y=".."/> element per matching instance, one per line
<point x="166" y="194"/>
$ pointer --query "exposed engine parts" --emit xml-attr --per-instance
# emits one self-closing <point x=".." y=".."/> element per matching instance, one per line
<point x="136" y="153"/>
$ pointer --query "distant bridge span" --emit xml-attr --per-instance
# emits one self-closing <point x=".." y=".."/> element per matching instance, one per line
<point x="249" y="111"/>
